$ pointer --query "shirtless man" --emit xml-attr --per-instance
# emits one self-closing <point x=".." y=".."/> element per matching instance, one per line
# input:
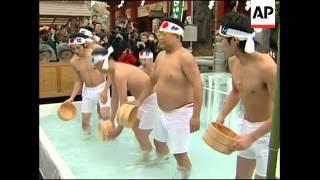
<point x="93" y="79"/>
<point x="179" y="93"/>
<point x="128" y="77"/>
<point x="254" y="77"/>
<point x="91" y="42"/>
<point x="146" y="60"/>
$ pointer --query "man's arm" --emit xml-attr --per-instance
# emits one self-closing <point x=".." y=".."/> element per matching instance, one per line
<point x="191" y="71"/>
<point x="122" y="89"/>
<point x="76" y="89"/>
<point x="231" y="101"/>
<point x="76" y="86"/>
<point x="104" y="94"/>
<point x="108" y="83"/>
<point x="117" y="93"/>
<point x="269" y="74"/>
<point x="114" y="102"/>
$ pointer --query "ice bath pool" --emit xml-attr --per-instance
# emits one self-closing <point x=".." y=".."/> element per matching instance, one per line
<point x="67" y="153"/>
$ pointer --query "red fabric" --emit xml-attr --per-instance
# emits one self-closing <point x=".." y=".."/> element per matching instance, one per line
<point x="186" y="105"/>
<point x="128" y="58"/>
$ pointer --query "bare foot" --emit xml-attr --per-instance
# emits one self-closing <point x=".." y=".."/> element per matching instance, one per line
<point x="182" y="173"/>
<point x="87" y="130"/>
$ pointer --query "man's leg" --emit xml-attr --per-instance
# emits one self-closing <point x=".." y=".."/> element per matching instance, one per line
<point x="144" y="125"/>
<point x="142" y="136"/>
<point x="86" y="108"/>
<point x="104" y="112"/>
<point x="86" y="122"/>
<point x="245" y="168"/>
<point x="184" y="165"/>
<point x="104" y="109"/>
<point x="161" y="148"/>
<point x="160" y="133"/>
<point x="99" y="111"/>
<point x="183" y="160"/>
<point x="178" y="127"/>
<point x="262" y="151"/>
<point x="259" y="177"/>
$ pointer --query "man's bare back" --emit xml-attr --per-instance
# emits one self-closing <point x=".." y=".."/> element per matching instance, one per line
<point x="173" y="88"/>
<point x="133" y="76"/>
<point x="86" y="71"/>
<point x="252" y="79"/>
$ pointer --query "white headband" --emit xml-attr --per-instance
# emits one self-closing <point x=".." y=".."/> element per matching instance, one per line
<point x="242" y="36"/>
<point x="89" y="34"/>
<point x="77" y="40"/>
<point x="105" y="58"/>
<point x="105" y="65"/>
<point x="145" y="55"/>
<point x="97" y="58"/>
<point x="170" y="27"/>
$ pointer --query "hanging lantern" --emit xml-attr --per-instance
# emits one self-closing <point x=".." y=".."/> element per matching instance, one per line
<point x="211" y="4"/>
<point x="142" y="3"/>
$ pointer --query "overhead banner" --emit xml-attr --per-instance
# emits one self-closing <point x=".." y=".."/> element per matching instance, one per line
<point x="177" y="9"/>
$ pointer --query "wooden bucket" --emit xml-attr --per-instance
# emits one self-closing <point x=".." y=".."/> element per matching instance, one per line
<point x="127" y="115"/>
<point x="220" y="137"/>
<point x="67" y="111"/>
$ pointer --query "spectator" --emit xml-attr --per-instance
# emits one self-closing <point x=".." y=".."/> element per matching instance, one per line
<point x="73" y="25"/>
<point x="46" y="51"/>
<point x="85" y="22"/>
<point x="142" y="44"/>
<point x="43" y="36"/>
<point x="153" y="44"/>
<point x="99" y="31"/>
<point x="64" y="34"/>
<point x="52" y="40"/>
<point x="93" y="21"/>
